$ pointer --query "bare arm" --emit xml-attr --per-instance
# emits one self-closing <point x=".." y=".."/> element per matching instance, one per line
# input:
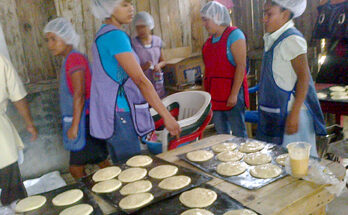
<point x="301" y="68"/>
<point x="160" y="64"/>
<point x="132" y="68"/>
<point x="238" y="50"/>
<point x="77" y="80"/>
<point x="23" y="109"/>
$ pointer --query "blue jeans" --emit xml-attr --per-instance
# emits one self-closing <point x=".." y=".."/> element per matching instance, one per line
<point x="125" y="141"/>
<point x="232" y="120"/>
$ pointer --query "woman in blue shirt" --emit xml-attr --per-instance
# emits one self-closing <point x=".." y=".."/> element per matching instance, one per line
<point x="119" y="111"/>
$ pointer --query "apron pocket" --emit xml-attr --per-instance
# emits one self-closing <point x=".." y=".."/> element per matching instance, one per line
<point x="220" y="89"/>
<point x="271" y="121"/>
<point x="79" y="142"/>
<point x="143" y="119"/>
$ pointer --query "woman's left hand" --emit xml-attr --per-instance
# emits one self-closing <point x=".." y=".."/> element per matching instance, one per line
<point x="232" y="101"/>
<point x="172" y="126"/>
<point x="157" y="68"/>
<point x="292" y="123"/>
<point x="72" y="133"/>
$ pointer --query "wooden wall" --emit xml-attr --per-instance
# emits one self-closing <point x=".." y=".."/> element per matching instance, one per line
<point x="177" y="22"/>
<point x="247" y="15"/>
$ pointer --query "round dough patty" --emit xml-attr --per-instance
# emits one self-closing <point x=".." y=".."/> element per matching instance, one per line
<point x="141" y="186"/>
<point x="106" y="173"/>
<point x="200" y="156"/>
<point x="231" y="168"/>
<point x="337" y="89"/>
<point x="175" y="182"/>
<point x="251" y="146"/>
<point x="163" y="171"/>
<point x="68" y="197"/>
<point x="197" y="212"/>
<point x="224" y="147"/>
<point x="139" y="161"/>
<point x="30" y="203"/>
<point x="257" y="158"/>
<point x="107" y="186"/>
<point x="80" y="209"/>
<point x="198" y="198"/>
<point x="339" y="97"/>
<point x="134" y="201"/>
<point x="132" y="174"/>
<point x="338" y="94"/>
<point x="230" y="156"/>
<point x="266" y="171"/>
<point x="240" y="212"/>
<point x="321" y="95"/>
<point x="281" y="159"/>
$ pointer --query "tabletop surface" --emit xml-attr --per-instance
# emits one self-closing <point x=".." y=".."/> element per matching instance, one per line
<point x="285" y="196"/>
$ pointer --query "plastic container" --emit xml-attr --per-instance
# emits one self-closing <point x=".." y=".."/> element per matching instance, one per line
<point x="299" y="158"/>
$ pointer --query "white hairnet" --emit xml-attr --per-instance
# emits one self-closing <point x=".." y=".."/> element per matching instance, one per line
<point x="144" y="18"/>
<point x="297" y="7"/>
<point x="217" y="12"/>
<point x="103" y="9"/>
<point x="64" y="29"/>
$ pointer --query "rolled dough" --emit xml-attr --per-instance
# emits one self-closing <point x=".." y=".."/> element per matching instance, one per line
<point x="198" y="198"/>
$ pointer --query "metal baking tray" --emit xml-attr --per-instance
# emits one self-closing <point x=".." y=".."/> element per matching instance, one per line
<point x="173" y="206"/>
<point x="50" y="209"/>
<point x="114" y="198"/>
<point x="245" y="179"/>
<point x="327" y="92"/>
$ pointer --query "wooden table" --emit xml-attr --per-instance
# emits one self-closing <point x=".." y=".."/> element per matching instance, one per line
<point x="286" y="196"/>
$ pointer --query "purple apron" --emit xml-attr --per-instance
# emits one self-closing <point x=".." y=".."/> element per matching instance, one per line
<point x="104" y="91"/>
<point x="153" y="55"/>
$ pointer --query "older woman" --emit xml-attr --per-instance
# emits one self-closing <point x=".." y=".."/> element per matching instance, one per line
<point x="148" y="48"/>
<point x="120" y="90"/>
<point x="224" y="55"/>
<point x="74" y="90"/>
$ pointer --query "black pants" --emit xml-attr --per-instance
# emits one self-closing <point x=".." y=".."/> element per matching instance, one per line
<point x="12" y="187"/>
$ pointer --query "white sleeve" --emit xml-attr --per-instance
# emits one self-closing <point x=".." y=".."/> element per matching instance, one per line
<point x="292" y="47"/>
<point x="15" y="88"/>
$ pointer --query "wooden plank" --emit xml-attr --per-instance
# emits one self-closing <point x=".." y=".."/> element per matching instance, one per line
<point x="257" y="25"/>
<point x="143" y="5"/>
<point x="40" y="63"/>
<point x="165" y="22"/>
<point x="246" y="197"/>
<point x="9" y="22"/>
<point x="175" y="24"/>
<point x="184" y="6"/>
<point x="177" y="52"/>
<point x="313" y="204"/>
<point x="274" y="202"/>
<point x="197" y="25"/>
<point x="155" y="12"/>
<point x="90" y="26"/>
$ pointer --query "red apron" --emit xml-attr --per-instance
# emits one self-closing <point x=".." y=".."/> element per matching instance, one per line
<point x="219" y="72"/>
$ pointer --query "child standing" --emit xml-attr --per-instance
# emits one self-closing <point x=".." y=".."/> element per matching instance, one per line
<point x="288" y="104"/>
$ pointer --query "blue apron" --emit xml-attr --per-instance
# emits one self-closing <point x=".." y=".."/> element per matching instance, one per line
<point x="273" y="101"/>
<point x="67" y="110"/>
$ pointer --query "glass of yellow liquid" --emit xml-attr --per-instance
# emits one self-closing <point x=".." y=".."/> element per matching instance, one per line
<point x="299" y="158"/>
